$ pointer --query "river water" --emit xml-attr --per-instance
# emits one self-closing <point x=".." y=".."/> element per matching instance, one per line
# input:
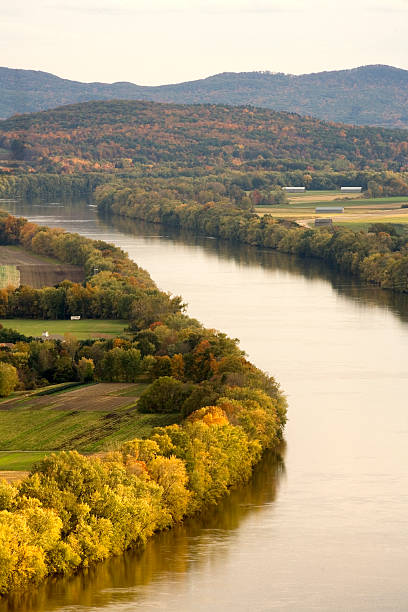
<point x="325" y="525"/>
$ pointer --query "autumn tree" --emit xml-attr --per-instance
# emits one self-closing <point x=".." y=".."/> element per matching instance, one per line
<point x="8" y="379"/>
<point x="85" y="369"/>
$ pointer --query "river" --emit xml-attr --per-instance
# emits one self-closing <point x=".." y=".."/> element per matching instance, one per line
<point x="323" y="527"/>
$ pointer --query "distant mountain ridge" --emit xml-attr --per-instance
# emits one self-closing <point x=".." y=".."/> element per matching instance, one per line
<point x="369" y="95"/>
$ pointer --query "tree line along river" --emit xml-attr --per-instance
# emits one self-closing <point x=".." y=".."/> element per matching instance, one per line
<point x="324" y="527"/>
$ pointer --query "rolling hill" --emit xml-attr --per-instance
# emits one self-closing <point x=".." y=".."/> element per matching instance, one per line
<point x="369" y="95"/>
<point x="121" y="134"/>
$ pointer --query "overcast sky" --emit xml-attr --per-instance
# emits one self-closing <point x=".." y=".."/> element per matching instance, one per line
<point x="168" y="41"/>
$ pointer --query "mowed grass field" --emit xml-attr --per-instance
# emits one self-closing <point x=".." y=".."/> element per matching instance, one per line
<point x="85" y="328"/>
<point x="358" y="213"/>
<point x="363" y="223"/>
<point x="89" y="418"/>
<point x="17" y="461"/>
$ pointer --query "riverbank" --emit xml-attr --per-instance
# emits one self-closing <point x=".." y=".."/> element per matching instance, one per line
<point x="376" y="252"/>
<point x="54" y="523"/>
<point x="336" y="345"/>
<point x="379" y="257"/>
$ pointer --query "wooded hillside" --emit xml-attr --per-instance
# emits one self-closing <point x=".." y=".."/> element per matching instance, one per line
<point x="123" y="134"/>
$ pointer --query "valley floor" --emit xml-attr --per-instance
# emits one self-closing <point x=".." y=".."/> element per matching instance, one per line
<point x="358" y="213"/>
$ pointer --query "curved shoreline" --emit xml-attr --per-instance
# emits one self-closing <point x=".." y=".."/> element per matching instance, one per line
<point x="72" y="510"/>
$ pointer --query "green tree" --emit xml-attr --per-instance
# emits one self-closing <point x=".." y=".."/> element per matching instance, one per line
<point x="121" y="365"/>
<point x="166" y="394"/>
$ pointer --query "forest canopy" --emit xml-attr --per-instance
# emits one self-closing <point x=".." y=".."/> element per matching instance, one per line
<point x="97" y="136"/>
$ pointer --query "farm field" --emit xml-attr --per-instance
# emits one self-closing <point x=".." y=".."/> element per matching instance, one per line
<point x="26" y="268"/>
<point x="12" y="461"/>
<point x="90" y="418"/>
<point x="363" y="223"/>
<point x="358" y="213"/>
<point x="321" y="196"/>
<point x="12" y="254"/>
<point x="83" y="329"/>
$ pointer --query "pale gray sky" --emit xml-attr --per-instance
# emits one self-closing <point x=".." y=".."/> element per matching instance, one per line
<point x="168" y="41"/>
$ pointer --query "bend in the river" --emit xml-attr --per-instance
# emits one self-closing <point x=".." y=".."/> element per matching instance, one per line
<point x="328" y="529"/>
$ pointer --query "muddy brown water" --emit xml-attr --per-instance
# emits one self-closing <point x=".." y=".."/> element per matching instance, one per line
<point x="325" y="527"/>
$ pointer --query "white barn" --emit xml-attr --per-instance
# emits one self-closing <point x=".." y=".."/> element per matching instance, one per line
<point x="351" y="189"/>
<point x="294" y="189"/>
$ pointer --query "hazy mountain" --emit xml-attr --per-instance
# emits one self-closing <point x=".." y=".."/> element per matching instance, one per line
<point x="370" y="95"/>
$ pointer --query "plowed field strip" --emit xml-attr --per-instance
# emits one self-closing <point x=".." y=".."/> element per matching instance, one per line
<point x="90" y="398"/>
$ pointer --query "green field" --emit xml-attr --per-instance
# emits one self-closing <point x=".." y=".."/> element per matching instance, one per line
<point x="390" y="200"/>
<point x="329" y="194"/>
<point x="46" y="429"/>
<point x="346" y="203"/>
<point x="359" y="213"/>
<point x="88" y="418"/>
<point x="359" y="223"/>
<point x="17" y="461"/>
<point x="85" y="328"/>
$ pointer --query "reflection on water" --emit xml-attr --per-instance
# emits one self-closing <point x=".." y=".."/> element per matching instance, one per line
<point x="336" y="535"/>
<point x="246" y="255"/>
<point x="82" y="217"/>
<point x="168" y="557"/>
